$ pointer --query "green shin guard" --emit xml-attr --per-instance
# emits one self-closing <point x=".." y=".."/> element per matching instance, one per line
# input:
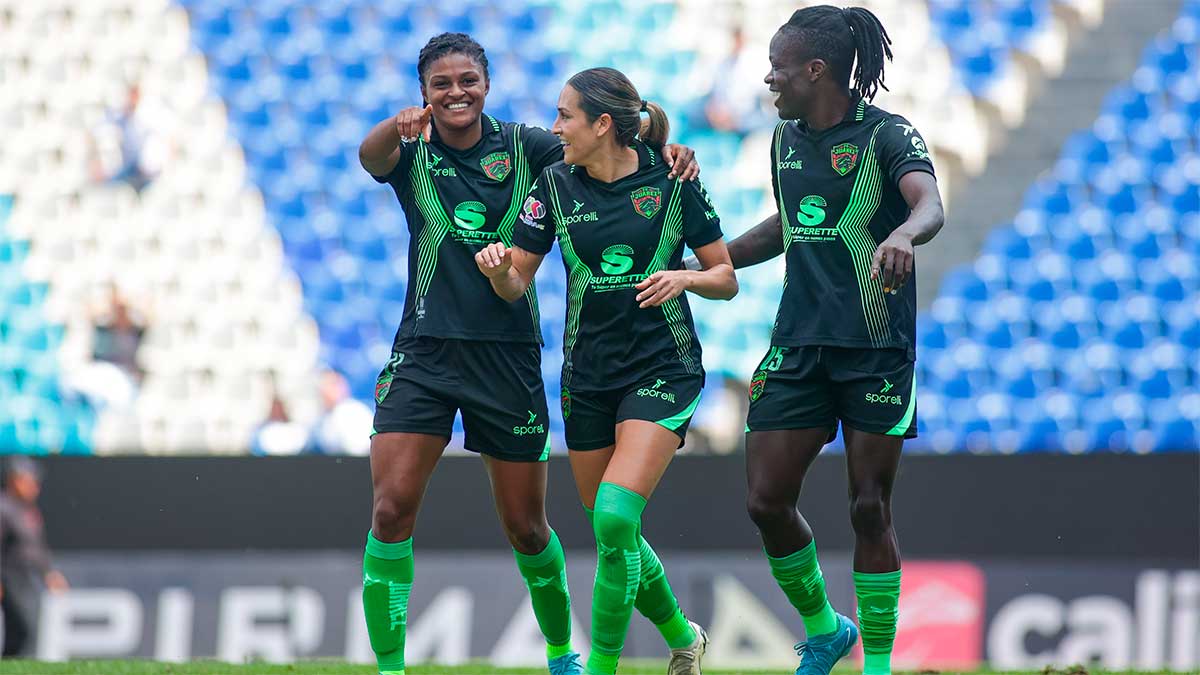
<point x="545" y="576"/>
<point x="799" y="575"/>
<point x="616" y="522"/>
<point x="387" y="581"/>
<point x="878" y="611"/>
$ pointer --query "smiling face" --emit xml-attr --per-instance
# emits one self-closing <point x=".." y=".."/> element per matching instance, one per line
<point x="580" y="138"/>
<point x="455" y="85"/>
<point x="792" y="80"/>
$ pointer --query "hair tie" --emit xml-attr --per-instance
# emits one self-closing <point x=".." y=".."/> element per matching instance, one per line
<point x="643" y="106"/>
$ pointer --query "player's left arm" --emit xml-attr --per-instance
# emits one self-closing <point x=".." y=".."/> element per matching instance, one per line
<point x="893" y="260"/>
<point x="702" y="233"/>
<point x="905" y="158"/>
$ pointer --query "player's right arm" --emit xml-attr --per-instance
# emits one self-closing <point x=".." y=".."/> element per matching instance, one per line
<point x="510" y="270"/>
<point x="379" y="153"/>
<point x="758" y="244"/>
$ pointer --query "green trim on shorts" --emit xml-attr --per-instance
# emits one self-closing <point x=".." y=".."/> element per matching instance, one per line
<point x="905" y="422"/>
<point x="546" y="451"/>
<point x="678" y="420"/>
<point x="747" y="428"/>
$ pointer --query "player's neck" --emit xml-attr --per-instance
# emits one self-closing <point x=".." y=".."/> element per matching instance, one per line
<point x="611" y="164"/>
<point x="828" y="111"/>
<point x="461" y="139"/>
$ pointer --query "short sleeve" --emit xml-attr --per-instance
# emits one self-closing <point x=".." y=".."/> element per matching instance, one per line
<point x="398" y="176"/>
<point x="901" y="149"/>
<point x="534" y="230"/>
<point x="701" y="224"/>
<point x="542" y="149"/>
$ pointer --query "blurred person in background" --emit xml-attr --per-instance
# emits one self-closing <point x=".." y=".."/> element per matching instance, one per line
<point x="461" y="176"/>
<point x="112" y="376"/>
<point x="278" y="434"/>
<point x="856" y="192"/>
<point x="632" y="369"/>
<point x="132" y="145"/>
<point x="344" y="427"/>
<point x="25" y="563"/>
<point x="736" y="102"/>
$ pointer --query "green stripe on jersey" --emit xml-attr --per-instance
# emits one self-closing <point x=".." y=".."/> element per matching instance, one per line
<point x="437" y="225"/>
<point x="865" y="198"/>
<point x="669" y="240"/>
<point x="579" y="277"/>
<point x="521" y="181"/>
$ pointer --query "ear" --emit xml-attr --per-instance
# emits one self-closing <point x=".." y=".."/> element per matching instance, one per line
<point x="816" y="69"/>
<point x="602" y="124"/>
<point x="424" y="98"/>
<point x="487" y="85"/>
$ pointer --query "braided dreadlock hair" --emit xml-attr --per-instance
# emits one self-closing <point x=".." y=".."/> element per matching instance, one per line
<point x="844" y="38"/>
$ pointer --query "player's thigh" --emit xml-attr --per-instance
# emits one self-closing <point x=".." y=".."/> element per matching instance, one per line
<point x="872" y="461"/>
<point x="519" y="489"/>
<point x="790" y="390"/>
<point x="875" y="389"/>
<point x="503" y="400"/>
<point x="643" y="452"/>
<point x="589" y="420"/>
<point x="401" y="465"/>
<point x="588" y="467"/>
<point x="777" y="462"/>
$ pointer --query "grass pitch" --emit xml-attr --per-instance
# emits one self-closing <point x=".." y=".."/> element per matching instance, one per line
<point x="134" y="667"/>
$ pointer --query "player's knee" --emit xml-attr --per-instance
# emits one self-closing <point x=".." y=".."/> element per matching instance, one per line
<point x="527" y="535"/>
<point x="869" y="514"/>
<point x="613" y="531"/>
<point x="768" y="513"/>
<point x="393" y="516"/>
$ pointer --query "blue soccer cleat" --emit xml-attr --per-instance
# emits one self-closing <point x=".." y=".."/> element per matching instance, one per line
<point x="567" y="664"/>
<point x="820" y="653"/>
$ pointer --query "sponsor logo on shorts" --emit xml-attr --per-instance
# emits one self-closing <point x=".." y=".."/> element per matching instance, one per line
<point x="565" y="399"/>
<point x="384" y="384"/>
<point x="530" y="427"/>
<point x="757" y="384"/>
<point x="884" y="397"/>
<point x="655" y="392"/>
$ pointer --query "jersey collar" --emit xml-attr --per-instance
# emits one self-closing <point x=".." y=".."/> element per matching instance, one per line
<point x="856" y="113"/>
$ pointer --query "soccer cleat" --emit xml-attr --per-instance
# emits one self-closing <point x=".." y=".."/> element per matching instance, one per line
<point x="818" y="655"/>
<point x="686" y="660"/>
<point x="567" y="664"/>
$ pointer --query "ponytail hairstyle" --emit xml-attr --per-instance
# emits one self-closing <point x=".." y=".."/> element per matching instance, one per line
<point x="605" y="90"/>
<point x="844" y="38"/>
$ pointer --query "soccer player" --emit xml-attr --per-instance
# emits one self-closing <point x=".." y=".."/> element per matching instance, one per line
<point x="855" y="192"/>
<point x="461" y="176"/>
<point x="632" y="373"/>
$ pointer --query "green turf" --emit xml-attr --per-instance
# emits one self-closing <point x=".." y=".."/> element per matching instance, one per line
<point x="341" y="668"/>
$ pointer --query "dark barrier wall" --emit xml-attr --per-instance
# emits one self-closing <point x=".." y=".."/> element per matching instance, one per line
<point x="1100" y="506"/>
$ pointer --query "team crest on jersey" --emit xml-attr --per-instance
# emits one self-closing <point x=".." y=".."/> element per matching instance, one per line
<point x="497" y="166"/>
<point x="844" y="157"/>
<point x="646" y="201"/>
<point x="757" y="384"/>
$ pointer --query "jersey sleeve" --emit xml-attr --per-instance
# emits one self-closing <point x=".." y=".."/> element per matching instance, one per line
<point x="701" y="224"/>
<point x="398" y="176"/>
<point x="901" y="149"/>
<point x="542" y="149"/>
<point x="534" y="230"/>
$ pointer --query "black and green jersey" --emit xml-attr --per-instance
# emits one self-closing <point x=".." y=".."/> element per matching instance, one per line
<point x="838" y="196"/>
<point x="612" y="236"/>
<point x="456" y="202"/>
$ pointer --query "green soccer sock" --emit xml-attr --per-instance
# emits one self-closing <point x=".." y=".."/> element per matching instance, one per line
<point x="545" y="576"/>
<point x="656" y="601"/>
<point x="387" y="581"/>
<point x="799" y="575"/>
<point x="616" y="522"/>
<point x="878" y="610"/>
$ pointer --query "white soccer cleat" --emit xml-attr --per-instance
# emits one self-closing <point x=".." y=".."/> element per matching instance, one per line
<point x="686" y="660"/>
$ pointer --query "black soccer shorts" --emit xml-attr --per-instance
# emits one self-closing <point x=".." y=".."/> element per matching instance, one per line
<point x="871" y="390"/>
<point x="667" y="399"/>
<point x="496" y="385"/>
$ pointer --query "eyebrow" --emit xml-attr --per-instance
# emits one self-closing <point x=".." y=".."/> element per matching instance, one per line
<point x="562" y="109"/>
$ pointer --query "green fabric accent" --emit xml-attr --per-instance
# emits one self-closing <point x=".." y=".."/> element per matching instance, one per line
<point x="437" y="223"/>
<point x="616" y="522"/>
<point x="799" y="575"/>
<point x="878" y="611"/>
<point x="521" y="183"/>
<point x="546" y="450"/>
<point x="579" y="275"/>
<point x="555" y="651"/>
<point x="388" y="551"/>
<point x="545" y="576"/>
<point x="905" y="422"/>
<point x="877" y="664"/>
<point x="387" y="582"/>
<point x="391" y="672"/>
<point x="865" y="198"/>
<point x="677" y="631"/>
<point x="747" y="428"/>
<point x="677" y="420"/>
